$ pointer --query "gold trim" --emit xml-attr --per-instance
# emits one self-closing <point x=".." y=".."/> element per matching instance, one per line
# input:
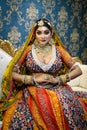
<point x="7" y="47"/>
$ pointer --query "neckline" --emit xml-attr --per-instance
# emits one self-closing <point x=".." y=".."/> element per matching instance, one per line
<point x="42" y="65"/>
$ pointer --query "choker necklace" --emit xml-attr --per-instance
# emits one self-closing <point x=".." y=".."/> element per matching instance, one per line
<point x="45" y="49"/>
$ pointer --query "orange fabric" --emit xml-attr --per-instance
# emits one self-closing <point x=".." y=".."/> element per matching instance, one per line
<point x="8" y="115"/>
<point x="66" y="56"/>
<point x="46" y="109"/>
<point x="10" y="111"/>
<point x="83" y="102"/>
<point x="21" y="60"/>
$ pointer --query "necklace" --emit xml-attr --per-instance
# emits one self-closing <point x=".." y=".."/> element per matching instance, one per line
<point x="45" y="49"/>
<point x="44" y="53"/>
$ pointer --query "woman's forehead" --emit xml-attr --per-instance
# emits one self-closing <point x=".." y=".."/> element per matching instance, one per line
<point x="42" y="28"/>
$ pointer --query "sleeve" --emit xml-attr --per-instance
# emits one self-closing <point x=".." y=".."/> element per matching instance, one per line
<point x="19" y="67"/>
<point x="67" y="58"/>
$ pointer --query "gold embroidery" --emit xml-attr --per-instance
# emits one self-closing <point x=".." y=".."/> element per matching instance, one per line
<point x="39" y="123"/>
<point x="57" y="109"/>
<point x="8" y="115"/>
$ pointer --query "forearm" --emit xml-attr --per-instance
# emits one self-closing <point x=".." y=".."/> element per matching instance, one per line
<point x="26" y="79"/>
<point x="41" y="77"/>
<point x="17" y="77"/>
<point x="75" y="72"/>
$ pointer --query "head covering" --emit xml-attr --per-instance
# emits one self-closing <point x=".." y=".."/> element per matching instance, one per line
<point x="43" y="22"/>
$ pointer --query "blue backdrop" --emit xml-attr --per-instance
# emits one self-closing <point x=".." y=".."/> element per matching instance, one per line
<point x="69" y="18"/>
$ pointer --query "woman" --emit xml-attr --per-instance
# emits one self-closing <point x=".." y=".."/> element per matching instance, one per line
<point x="35" y="90"/>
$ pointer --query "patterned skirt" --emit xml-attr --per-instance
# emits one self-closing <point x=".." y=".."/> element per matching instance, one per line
<point x="44" y="109"/>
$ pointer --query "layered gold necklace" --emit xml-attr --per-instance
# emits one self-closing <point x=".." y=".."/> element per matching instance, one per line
<point x="44" y="53"/>
<point x="45" y="49"/>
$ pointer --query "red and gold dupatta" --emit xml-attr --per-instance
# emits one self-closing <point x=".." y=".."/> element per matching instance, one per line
<point x="46" y="110"/>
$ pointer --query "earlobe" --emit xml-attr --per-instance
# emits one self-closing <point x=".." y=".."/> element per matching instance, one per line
<point x="51" y="35"/>
<point x="52" y="41"/>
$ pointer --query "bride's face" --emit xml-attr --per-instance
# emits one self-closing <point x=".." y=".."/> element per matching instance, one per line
<point x="43" y="35"/>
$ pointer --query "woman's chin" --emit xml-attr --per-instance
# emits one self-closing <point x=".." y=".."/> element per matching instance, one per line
<point x="43" y="43"/>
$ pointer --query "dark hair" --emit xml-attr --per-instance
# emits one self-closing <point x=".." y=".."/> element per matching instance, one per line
<point x="43" y="22"/>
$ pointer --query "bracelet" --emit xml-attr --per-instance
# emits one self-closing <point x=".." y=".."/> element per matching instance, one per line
<point x="35" y="82"/>
<point x="23" y="78"/>
<point x="63" y="78"/>
<point x="59" y="80"/>
<point x="67" y="78"/>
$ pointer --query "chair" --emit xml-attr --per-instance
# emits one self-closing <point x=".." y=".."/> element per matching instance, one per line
<point x="7" y="47"/>
<point x="7" y="51"/>
<point x="80" y="83"/>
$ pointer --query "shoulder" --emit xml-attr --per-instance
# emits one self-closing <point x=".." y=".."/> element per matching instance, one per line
<point x="28" y="48"/>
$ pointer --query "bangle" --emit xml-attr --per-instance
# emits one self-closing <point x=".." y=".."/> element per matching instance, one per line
<point x="60" y="81"/>
<point x="26" y="80"/>
<point x="36" y="83"/>
<point x="63" y="78"/>
<point x="67" y="78"/>
<point x="23" y="78"/>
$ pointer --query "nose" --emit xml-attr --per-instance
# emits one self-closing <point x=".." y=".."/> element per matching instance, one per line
<point x="43" y="36"/>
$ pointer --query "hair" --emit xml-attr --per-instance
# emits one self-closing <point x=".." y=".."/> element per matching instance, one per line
<point x="43" y="22"/>
<point x="40" y="22"/>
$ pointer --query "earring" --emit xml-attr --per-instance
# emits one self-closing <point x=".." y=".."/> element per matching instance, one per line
<point x="52" y="41"/>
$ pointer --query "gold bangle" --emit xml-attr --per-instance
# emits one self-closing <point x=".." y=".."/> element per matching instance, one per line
<point x="63" y="78"/>
<point x="67" y="78"/>
<point x="23" y="78"/>
<point x="26" y="79"/>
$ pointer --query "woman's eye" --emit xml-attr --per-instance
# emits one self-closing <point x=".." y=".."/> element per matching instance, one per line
<point x="38" y="32"/>
<point x="46" y="32"/>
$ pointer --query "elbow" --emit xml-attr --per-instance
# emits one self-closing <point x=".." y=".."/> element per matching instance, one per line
<point x="79" y="70"/>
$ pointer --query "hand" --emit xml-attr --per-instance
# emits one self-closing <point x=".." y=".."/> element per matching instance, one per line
<point x="45" y="78"/>
<point x="39" y="77"/>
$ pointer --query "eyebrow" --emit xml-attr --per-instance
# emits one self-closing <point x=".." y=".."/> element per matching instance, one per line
<point x="43" y="30"/>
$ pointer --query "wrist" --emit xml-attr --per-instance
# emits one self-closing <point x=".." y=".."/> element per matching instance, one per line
<point x="62" y="79"/>
<point x="26" y="79"/>
<point x="65" y="78"/>
<point x="59" y="80"/>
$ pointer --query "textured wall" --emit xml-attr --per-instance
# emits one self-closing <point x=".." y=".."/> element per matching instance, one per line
<point x="69" y="18"/>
